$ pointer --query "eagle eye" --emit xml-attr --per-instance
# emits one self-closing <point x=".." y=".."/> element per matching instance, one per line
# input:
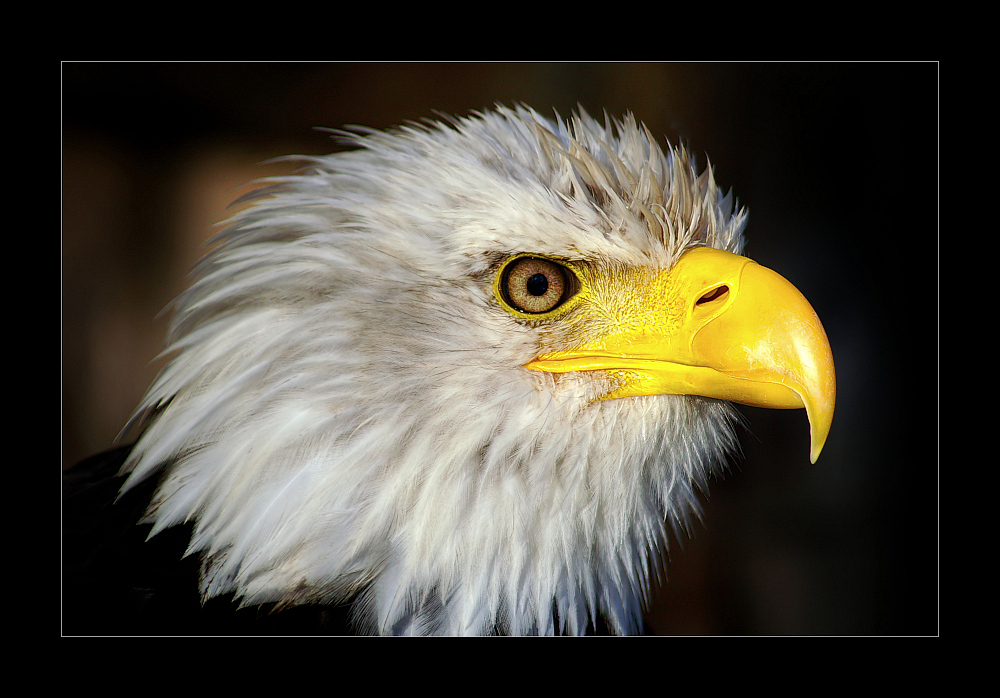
<point x="535" y="285"/>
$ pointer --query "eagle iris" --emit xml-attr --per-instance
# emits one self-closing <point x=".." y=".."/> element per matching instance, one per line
<point x="535" y="285"/>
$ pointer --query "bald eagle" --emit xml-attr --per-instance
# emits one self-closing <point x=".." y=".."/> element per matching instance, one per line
<point x="465" y="376"/>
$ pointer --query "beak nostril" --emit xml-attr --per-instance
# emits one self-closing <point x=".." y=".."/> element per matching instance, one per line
<point x="714" y="294"/>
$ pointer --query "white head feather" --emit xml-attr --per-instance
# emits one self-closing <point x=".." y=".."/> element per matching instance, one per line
<point x="347" y="410"/>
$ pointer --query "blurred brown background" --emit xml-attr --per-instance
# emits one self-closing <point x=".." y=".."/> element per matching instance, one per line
<point x="837" y="163"/>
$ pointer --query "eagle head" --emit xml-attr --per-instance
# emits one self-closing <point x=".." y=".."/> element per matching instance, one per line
<point x="466" y="373"/>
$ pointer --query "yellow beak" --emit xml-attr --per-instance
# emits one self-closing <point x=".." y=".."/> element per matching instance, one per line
<point x="717" y="325"/>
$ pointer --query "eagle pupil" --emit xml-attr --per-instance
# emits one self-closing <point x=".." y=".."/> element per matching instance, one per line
<point x="538" y="284"/>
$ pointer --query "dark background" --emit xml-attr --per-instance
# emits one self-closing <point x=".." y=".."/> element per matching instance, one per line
<point x="837" y="163"/>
